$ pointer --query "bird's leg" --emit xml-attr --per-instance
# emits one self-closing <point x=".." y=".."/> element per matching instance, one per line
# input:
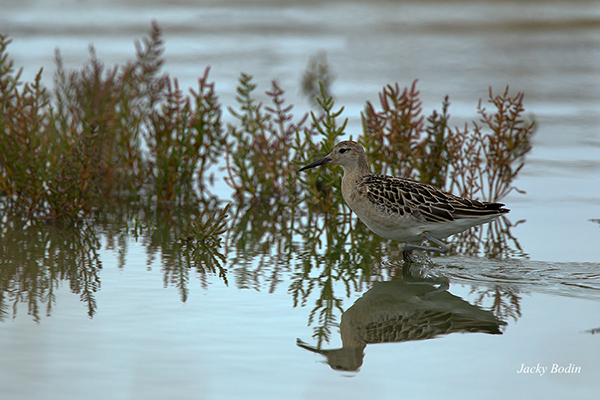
<point x="406" y="254"/>
<point x="443" y="246"/>
<point x="408" y="247"/>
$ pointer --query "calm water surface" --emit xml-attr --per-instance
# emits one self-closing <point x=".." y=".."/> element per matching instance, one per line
<point x="121" y="318"/>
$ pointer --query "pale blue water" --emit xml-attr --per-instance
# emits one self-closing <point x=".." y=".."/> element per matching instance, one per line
<point x="239" y="340"/>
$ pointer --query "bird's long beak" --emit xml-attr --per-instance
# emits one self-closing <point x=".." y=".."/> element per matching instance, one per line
<point x="306" y="346"/>
<point x="322" y="161"/>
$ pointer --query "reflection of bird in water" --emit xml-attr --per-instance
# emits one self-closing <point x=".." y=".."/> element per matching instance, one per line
<point x="398" y="311"/>
<point x="402" y="209"/>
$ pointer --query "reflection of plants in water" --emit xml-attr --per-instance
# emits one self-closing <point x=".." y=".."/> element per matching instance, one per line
<point x="35" y="258"/>
<point x="189" y="240"/>
<point x="494" y="239"/>
<point x="318" y="274"/>
<point x="326" y="305"/>
<point x="259" y="233"/>
<point x="505" y="301"/>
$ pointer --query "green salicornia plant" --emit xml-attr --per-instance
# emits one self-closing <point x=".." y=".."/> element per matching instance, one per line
<point x="185" y="138"/>
<point x="261" y="146"/>
<point x="117" y="101"/>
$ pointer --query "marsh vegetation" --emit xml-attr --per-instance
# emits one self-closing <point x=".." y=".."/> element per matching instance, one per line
<point x="113" y="151"/>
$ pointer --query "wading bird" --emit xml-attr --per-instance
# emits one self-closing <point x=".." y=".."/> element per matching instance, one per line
<point x="403" y="209"/>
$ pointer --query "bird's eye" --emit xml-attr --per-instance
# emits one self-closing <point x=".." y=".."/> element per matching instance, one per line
<point x="342" y="151"/>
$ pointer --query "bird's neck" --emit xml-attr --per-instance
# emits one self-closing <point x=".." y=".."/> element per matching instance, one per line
<point x="352" y="174"/>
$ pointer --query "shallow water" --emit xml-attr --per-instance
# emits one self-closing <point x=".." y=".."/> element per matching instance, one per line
<point x="236" y="338"/>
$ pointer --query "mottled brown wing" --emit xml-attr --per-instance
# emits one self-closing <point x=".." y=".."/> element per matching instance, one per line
<point x="407" y="197"/>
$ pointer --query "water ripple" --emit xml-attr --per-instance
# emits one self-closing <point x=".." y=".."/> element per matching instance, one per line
<point x="567" y="279"/>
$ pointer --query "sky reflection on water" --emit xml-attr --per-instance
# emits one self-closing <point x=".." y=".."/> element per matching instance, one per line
<point x="246" y="327"/>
